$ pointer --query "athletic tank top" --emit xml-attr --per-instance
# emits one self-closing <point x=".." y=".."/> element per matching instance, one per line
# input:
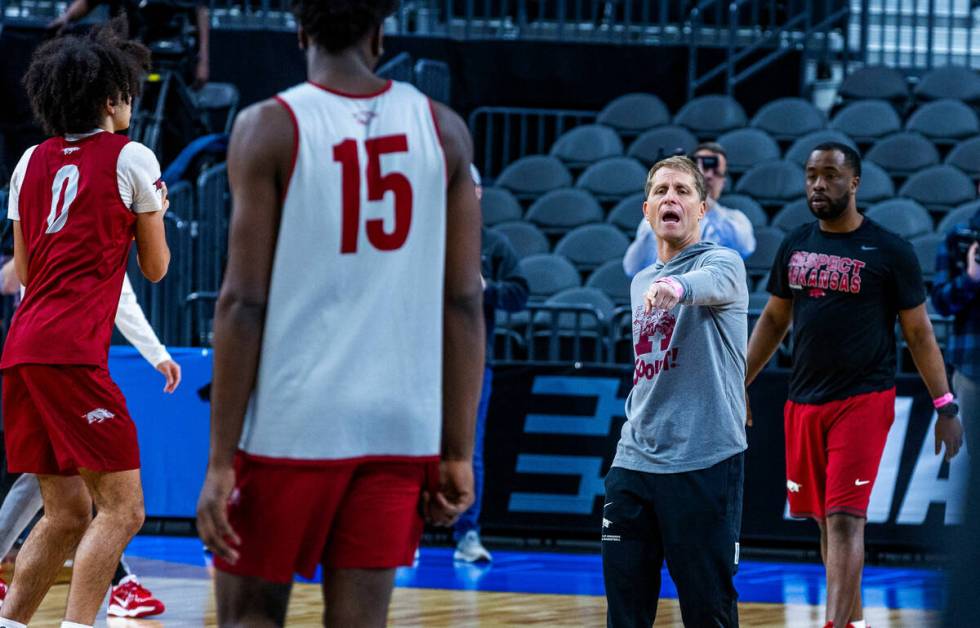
<point x="351" y="362"/>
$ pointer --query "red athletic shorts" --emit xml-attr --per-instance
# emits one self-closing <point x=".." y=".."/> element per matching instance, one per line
<point x="343" y="515"/>
<point x="832" y="453"/>
<point x="59" y="419"/>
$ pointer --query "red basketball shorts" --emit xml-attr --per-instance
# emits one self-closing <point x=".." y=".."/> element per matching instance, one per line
<point x="832" y="453"/>
<point x="342" y="515"/>
<point x="59" y="419"/>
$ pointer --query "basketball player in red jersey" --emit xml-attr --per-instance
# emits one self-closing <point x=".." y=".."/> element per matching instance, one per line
<point x="354" y="272"/>
<point x="77" y="201"/>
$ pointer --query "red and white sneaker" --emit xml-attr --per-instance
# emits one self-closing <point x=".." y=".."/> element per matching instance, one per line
<point x="131" y="599"/>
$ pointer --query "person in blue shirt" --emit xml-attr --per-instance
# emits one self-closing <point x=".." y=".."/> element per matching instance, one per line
<point x="721" y="225"/>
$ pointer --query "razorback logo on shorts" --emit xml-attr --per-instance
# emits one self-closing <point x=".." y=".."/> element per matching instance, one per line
<point x="98" y="415"/>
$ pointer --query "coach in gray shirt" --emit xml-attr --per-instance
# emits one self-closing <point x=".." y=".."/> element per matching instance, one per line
<point x="674" y="491"/>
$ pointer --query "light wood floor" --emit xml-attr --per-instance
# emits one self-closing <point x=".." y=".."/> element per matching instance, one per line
<point x="190" y="603"/>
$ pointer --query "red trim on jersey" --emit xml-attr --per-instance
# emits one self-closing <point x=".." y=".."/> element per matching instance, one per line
<point x="320" y="462"/>
<point x="292" y="166"/>
<point x="337" y="92"/>
<point x="445" y="158"/>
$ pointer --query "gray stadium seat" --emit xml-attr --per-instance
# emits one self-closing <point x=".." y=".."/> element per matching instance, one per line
<point x="534" y="175"/>
<point x="561" y="210"/>
<point x="499" y="206"/>
<point x="524" y="237"/>
<point x="632" y="114"/>
<point x="578" y="296"/>
<point x="902" y="216"/>
<point x="548" y="274"/>
<point x="745" y="148"/>
<point x="944" y="121"/>
<point x="767" y="241"/>
<point x="710" y="116"/>
<point x="786" y="119"/>
<point x="662" y="142"/>
<point x="949" y="82"/>
<point x="903" y="153"/>
<point x="748" y="206"/>
<point x="865" y="121"/>
<point x="876" y="185"/>
<point x="758" y="300"/>
<point x="590" y="246"/>
<point x="792" y="215"/>
<point x="966" y="156"/>
<point x="939" y="188"/>
<point x="961" y="214"/>
<point x="611" y="279"/>
<point x="587" y="144"/>
<point x="875" y="81"/>
<point x="800" y="151"/>
<point x="772" y="183"/>
<point x="614" y="178"/>
<point x="926" y="246"/>
<point x="627" y="214"/>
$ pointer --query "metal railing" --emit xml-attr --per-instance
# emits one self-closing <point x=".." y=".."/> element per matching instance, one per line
<point x="210" y="228"/>
<point x="505" y="134"/>
<point x="757" y="33"/>
<point x="914" y="34"/>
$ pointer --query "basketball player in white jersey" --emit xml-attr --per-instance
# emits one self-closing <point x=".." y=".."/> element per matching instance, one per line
<point x="348" y="334"/>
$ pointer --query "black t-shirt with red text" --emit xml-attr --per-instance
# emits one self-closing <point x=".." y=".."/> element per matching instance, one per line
<point x="847" y="290"/>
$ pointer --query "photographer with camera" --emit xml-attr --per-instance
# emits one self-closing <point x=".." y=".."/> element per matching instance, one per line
<point x="722" y="225"/>
<point x="155" y="21"/>
<point x="956" y="292"/>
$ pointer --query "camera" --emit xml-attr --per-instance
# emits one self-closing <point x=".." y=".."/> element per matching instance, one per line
<point x="708" y="163"/>
<point x="959" y="242"/>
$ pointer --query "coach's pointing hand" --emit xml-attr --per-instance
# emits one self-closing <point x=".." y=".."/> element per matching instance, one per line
<point x="212" y="514"/>
<point x="663" y="295"/>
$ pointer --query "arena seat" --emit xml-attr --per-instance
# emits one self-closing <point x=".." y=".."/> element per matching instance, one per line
<point x="662" y="142"/>
<point x="559" y="211"/>
<point x="787" y="119"/>
<point x="587" y="144"/>
<point x="631" y="114"/>
<point x="902" y="216"/>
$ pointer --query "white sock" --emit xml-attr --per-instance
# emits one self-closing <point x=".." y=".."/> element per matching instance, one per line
<point x="71" y="624"/>
<point x="9" y="623"/>
<point x="859" y="624"/>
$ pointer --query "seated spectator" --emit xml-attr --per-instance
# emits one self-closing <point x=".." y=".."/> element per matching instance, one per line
<point x="721" y="225"/>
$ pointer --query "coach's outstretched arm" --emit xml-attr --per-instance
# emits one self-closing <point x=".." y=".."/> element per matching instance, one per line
<point x="463" y="327"/>
<point x="259" y="158"/>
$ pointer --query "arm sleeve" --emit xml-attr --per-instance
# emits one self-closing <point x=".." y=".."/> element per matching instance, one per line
<point x="778" y="285"/>
<point x="138" y="176"/>
<point x="720" y="280"/>
<point x="951" y="295"/>
<point x="642" y="251"/>
<point x="507" y="289"/>
<point x="909" y="290"/>
<point x="136" y="329"/>
<point x="16" y="180"/>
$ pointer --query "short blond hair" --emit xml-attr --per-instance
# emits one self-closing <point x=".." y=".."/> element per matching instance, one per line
<point x="683" y="164"/>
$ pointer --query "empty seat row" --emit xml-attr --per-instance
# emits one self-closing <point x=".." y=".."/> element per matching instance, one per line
<point x="548" y="274"/>
<point x="887" y="83"/>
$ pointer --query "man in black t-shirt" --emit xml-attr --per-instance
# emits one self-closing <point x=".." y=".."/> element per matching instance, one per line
<point x="842" y="281"/>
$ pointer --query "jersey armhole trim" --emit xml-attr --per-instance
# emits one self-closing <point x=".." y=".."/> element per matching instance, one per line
<point x="439" y="137"/>
<point x="292" y="165"/>
<point x="116" y="177"/>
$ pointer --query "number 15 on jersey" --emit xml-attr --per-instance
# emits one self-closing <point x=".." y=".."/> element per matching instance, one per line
<point x="347" y="155"/>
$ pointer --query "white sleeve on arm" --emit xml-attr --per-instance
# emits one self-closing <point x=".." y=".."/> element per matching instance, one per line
<point x="744" y="233"/>
<point x="637" y="256"/>
<point x="16" y="180"/>
<point x="138" y="176"/>
<point x="136" y="329"/>
<point x="719" y="281"/>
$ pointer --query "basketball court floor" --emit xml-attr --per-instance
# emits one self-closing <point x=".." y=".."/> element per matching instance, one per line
<point x="540" y="588"/>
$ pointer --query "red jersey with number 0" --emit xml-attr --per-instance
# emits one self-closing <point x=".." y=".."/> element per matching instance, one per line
<point x="77" y="235"/>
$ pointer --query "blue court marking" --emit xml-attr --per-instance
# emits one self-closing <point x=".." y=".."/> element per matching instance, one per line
<point x="581" y="574"/>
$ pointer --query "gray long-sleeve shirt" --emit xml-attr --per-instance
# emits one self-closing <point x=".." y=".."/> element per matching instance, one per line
<point x="687" y="407"/>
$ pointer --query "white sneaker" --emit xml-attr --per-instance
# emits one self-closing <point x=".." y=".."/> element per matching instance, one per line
<point x="470" y="549"/>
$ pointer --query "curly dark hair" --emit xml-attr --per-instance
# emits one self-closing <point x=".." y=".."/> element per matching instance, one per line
<point x="336" y="25"/>
<point x="70" y="78"/>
